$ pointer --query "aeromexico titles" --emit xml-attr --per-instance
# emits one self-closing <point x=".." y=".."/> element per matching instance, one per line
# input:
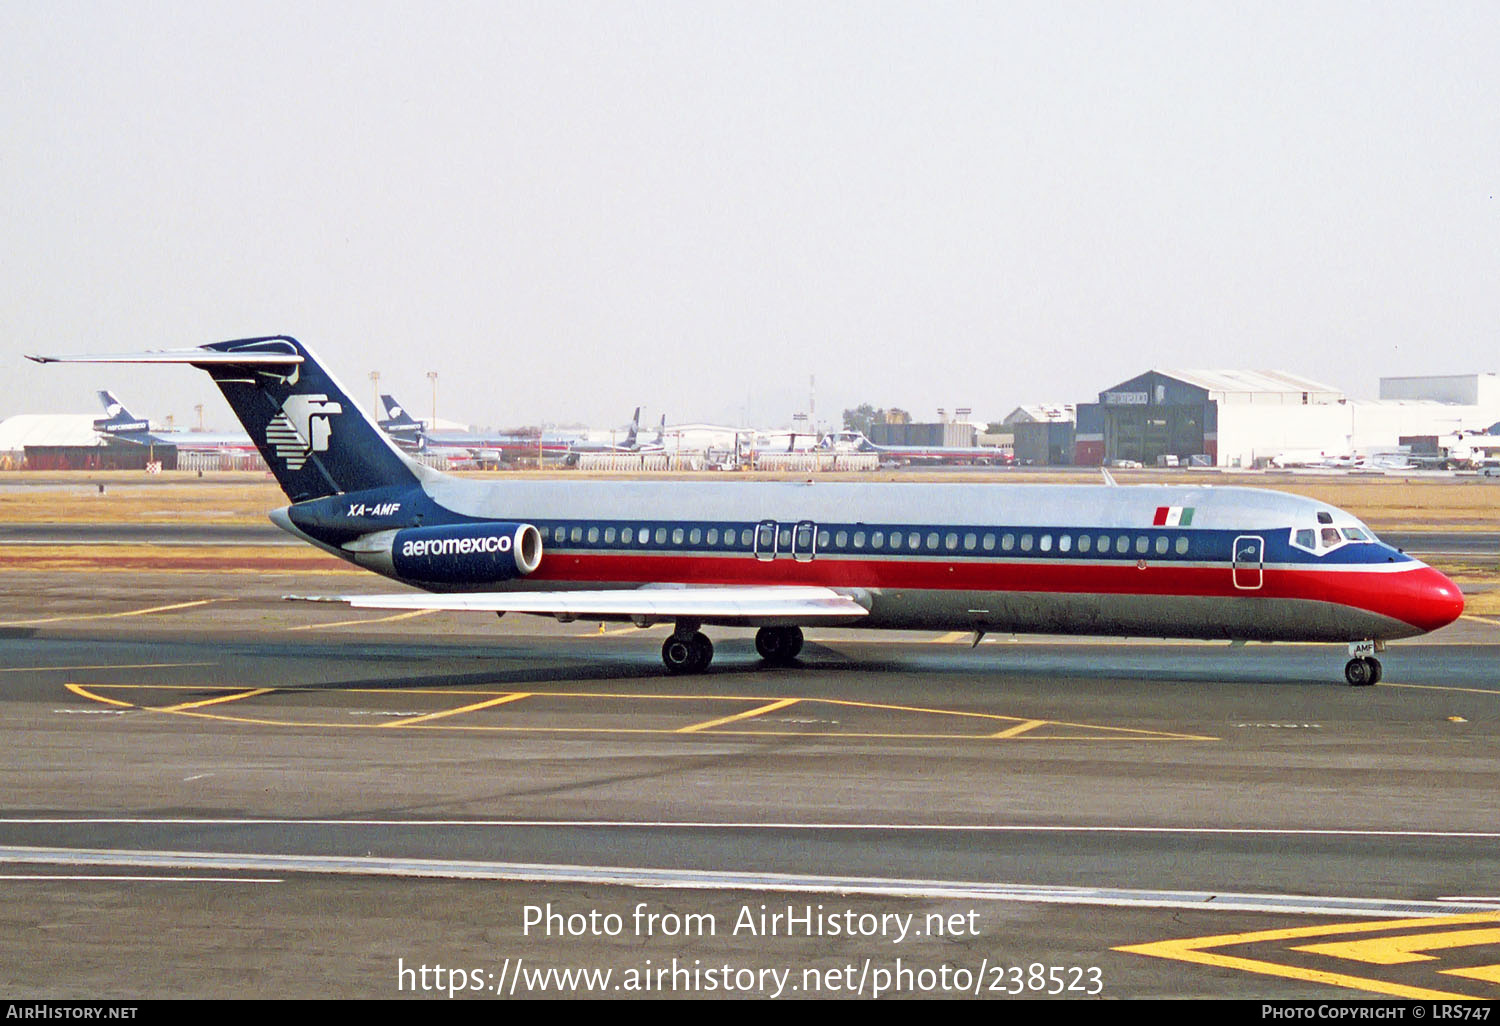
<point x="1236" y="564"/>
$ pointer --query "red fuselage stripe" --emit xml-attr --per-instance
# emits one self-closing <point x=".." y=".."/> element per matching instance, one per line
<point x="1398" y="595"/>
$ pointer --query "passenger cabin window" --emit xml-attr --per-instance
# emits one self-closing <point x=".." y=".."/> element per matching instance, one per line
<point x="989" y="543"/>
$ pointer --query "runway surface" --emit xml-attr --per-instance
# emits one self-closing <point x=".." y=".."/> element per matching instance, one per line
<point x="213" y="792"/>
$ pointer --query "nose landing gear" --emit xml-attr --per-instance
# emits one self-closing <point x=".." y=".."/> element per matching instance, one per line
<point x="1362" y="671"/>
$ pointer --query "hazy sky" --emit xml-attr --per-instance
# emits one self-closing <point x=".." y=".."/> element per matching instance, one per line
<point x="568" y="209"/>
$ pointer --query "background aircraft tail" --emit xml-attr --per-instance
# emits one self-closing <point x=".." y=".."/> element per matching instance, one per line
<point x="120" y="423"/>
<point x="405" y="429"/>
<point x="635" y="429"/>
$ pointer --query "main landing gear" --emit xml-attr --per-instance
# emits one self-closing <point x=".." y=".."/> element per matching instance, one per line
<point x="1362" y="671"/>
<point x="778" y="646"/>
<point x="688" y="650"/>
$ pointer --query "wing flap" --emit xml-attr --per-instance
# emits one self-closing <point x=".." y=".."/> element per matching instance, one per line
<point x="751" y="603"/>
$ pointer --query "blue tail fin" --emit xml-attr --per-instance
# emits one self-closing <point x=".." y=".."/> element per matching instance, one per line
<point x="316" y="440"/>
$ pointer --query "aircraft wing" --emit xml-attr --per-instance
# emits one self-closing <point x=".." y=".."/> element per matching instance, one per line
<point x="751" y="604"/>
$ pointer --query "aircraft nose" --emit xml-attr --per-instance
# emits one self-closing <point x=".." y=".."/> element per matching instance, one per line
<point x="1428" y="599"/>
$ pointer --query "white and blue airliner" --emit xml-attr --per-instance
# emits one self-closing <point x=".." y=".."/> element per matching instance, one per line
<point x="1236" y="564"/>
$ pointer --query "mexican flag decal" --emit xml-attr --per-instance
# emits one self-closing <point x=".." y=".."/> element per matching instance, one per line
<point x="1173" y="516"/>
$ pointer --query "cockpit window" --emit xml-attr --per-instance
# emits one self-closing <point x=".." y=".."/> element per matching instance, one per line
<point x="1355" y="534"/>
<point x="1330" y="537"/>
<point x="1307" y="538"/>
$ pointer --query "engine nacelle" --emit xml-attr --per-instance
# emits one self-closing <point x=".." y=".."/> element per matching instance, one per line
<point x="467" y="553"/>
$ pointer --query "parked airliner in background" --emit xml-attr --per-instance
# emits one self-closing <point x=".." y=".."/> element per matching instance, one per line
<point x="630" y="443"/>
<point x="492" y="448"/>
<point x="1147" y="561"/>
<point x="978" y="455"/>
<point x="122" y="426"/>
<point x="1314" y="460"/>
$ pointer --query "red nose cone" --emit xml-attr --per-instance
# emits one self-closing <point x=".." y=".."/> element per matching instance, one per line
<point x="1427" y="599"/>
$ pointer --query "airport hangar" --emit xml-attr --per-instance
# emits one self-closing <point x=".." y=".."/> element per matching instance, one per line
<point x="1243" y="418"/>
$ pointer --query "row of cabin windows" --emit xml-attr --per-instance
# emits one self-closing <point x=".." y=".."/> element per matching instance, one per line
<point x="874" y="540"/>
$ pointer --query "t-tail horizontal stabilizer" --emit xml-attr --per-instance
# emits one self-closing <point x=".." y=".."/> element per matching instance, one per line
<point x="316" y="440"/>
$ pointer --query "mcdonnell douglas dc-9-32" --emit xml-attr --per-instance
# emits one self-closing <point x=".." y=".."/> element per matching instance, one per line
<point x="1236" y="564"/>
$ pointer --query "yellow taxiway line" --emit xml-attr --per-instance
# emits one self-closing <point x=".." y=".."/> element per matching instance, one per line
<point x="108" y="616"/>
<point x="1020" y="728"/>
<point x="357" y="623"/>
<point x="454" y="712"/>
<point x="185" y="706"/>
<point x="710" y="724"/>
<point x="1193" y="949"/>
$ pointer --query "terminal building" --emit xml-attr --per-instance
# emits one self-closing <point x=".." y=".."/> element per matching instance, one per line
<point x="1234" y="418"/>
<point x="1223" y="418"/>
<point x="1042" y="435"/>
<point x="1424" y="414"/>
